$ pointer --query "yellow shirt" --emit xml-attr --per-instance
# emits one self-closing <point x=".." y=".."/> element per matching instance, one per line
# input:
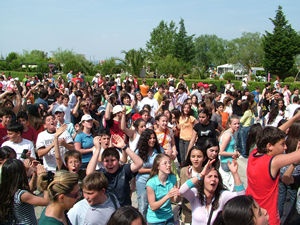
<point x="186" y="127"/>
<point x="158" y="97"/>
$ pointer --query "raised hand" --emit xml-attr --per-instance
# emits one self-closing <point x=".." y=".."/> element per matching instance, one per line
<point x="97" y="142"/>
<point x="207" y="168"/>
<point x="233" y="166"/>
<point x="60" y="130"/>
<point x="119" y="142"/>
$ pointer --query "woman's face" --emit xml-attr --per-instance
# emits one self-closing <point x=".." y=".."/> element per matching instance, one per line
<point x="211" y="181"/>
<point x="235" y="124"/>
<point x="261" y="216"/>
<point x="71" y="198"/>
<point x="186" y="109"/>
<point x="163" y="122"/>
<point x="194" y="99"/>
<point x="152" y="141"/>
<point x="165" y="165"/>
<point x="88" y="124"/>
<point x="138" y="96"/>
<point x="145" y="116"/>
<point x="203" y="118"/>
<point x="141" y="127"/>
<point x="197" y="158"/>
<point x="280" y="104"/>
<point x="167" y="114"/>
<point x="212" y="152"/>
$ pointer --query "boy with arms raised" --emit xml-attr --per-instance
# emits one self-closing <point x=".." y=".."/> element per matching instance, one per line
<point x="118" y="175"/>
<point x="97" y="206"/>
<point x="264" y="164"/>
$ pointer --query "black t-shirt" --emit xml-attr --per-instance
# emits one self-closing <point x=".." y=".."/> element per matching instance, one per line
<point x="52" y="98"/>
<point x="205" y="131"/>
<point x="118" y="183"/>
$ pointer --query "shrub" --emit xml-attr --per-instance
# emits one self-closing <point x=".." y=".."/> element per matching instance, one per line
<point x="229" y="76"/>
<point x="289" y="79"/>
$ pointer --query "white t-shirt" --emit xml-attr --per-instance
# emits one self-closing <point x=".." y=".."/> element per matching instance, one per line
<point x="67" y="111"/>
<point x="290" y="109"/>
<point x="153" y="104"/>
<point x="45" y="139"/>
<point x="118" y="81"/>
<point x="19" y="147"/>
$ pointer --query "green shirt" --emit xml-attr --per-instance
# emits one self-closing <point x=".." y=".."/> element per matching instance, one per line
<point x="46" y="220"/>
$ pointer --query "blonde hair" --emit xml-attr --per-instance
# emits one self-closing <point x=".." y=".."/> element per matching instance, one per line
<point x="63" y="183"/>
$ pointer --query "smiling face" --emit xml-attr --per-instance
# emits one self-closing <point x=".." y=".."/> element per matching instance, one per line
<point x="211" y="181"/>
<point x="88" y="124"/>
<point x="235" y="124"/>
<point x="111" y="164"/>
<point x="152" y="141"/>
<point x="50" y="124"/>
<point x="141" y="127"/>
<point x="197" y="158"/>
<point x="163" y="122"/>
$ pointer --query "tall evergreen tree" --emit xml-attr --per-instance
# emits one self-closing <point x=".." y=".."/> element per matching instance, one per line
<point x="184" y="45"/>
<point x="281" y="46"/>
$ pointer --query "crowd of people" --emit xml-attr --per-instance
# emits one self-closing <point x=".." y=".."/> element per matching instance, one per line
<point x="81" y="149"/>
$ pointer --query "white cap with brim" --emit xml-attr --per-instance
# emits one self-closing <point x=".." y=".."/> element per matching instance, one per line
<point x="86" y="117"/>
<point x="117" y="109"/>
<point x="171" y="89"/>
<point x="58" y="109"/>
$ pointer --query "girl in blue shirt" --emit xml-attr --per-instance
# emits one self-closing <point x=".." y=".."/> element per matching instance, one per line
<point x="161" y="187"/>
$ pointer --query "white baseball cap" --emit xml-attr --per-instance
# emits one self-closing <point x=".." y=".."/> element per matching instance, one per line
<point x="117" y="109"/>
<point x="86" y="117"/>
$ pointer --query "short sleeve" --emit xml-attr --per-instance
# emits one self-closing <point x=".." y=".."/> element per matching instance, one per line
<point x="40" y="141"/>
<point x="18" y="194"/>
<point x="151" y="183"/>
<point x="196" y="127"/>
<point x="67" y="137"/>
<point x="173" y="179"/>
<point x="78" y="138"/>
<point x="192" y="119"/>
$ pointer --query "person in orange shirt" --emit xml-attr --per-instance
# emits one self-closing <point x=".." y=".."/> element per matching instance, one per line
<point x="144" y="88"/>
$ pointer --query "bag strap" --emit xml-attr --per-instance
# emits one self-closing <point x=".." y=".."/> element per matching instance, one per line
<point x="210" y="215"/>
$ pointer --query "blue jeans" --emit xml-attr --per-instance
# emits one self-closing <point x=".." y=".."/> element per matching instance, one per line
<point x="168" y="222"/>
<point x="142" y="197"/>
<point x="243" y="138"/>
<point x="283" y="191"/>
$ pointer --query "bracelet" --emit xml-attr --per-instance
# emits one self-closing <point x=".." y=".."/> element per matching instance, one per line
<point x="239" y="187"/>
<point x="198" y="176"/>
<point x="125" y="147"/>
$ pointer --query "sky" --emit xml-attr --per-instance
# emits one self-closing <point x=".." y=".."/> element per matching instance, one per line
<point x="100" y="29"/>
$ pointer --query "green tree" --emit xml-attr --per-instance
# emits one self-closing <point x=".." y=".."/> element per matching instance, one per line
<point x="246" y="50"/>
<point x="134" y="61"/>
<point x="13" y="61"/>
<point x="169" y="65"/>
<point x="184" y="45"/>
<point x="281" y="46"/>
<point x="162" y="40"/>
<point x="209" y="49"/>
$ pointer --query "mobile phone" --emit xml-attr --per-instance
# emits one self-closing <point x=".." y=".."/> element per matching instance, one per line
<point x="23" y="155"/>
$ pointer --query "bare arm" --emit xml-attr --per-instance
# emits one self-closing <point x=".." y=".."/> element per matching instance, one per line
<point x="287" y="177"/>
<point x="130" y="133"/>
<point x="192" y="141"/>
<point x="43" y="151"/>
<point x="35" y="200"/>
<point x="75" y="110"/>
<point x="94" y="160"/>
<point x="108" y="111"/>
<point x="225" y="141"/>
<point x="18" y="101"/>
<point x="289" y="123"/>
<point x="82" y="150"/>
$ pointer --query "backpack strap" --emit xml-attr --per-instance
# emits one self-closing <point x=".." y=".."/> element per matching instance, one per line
<point x="114" y="200"/>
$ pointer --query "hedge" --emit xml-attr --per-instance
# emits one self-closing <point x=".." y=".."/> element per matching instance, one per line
<point x="150" y="81"/>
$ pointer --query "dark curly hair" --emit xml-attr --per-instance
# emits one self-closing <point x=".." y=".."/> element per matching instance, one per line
<point x="143" y="146"/>
<point x="218" y="191"/>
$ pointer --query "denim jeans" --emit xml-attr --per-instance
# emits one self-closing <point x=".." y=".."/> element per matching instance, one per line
<point x="168" y="222"/>
<point x="183" y="146"/>
<point x="283" y="191"/>
<point x="142" y="197"/>
<point x="243" y="138"/>
<point x="225" y="167"/>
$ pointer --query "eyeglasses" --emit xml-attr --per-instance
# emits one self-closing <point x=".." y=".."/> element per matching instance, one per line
<point x="84" y="105"/>
<point x="75" y="195"/>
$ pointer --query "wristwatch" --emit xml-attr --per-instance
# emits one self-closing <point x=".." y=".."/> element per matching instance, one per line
<point x="125" y="147"/>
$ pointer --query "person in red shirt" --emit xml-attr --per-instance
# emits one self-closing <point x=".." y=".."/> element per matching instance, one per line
<point x="6" y="116"/>
<point x="28" y="132"/>
<point x="268" y="158"/>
